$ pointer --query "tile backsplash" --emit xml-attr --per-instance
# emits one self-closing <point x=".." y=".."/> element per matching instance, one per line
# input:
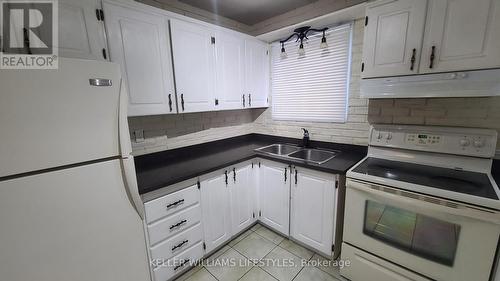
<point x="163" y="132"/>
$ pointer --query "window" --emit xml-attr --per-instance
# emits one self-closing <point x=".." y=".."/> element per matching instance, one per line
<point x="314" y="86"/>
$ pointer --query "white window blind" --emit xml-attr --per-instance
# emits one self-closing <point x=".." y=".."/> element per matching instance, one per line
<point x="314" y="86"/>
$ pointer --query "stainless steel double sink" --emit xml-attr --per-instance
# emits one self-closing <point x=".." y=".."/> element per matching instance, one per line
<point x="313" y="155"/>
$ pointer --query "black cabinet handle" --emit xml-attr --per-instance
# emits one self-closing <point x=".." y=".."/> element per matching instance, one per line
<point x="179" y="245"/>
<point x="178" y="224"/>
<point x="225" y="172"/>
<point x="414" y="53"/>
<point x="249" y="100"/>
<point x="243" y="100"/>
<point x="234" y="174"/>
<point x="182" y="101"/>
<point x="285" y="173"/>
<point x="433" y="56"/>
<point x="170" y="102"/>
<point x="296" y="176"/>
<point x="175" y="203"/>
<point x="182" y="264"/>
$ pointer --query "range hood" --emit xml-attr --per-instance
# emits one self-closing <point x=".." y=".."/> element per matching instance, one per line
<point x="478" y="83"/>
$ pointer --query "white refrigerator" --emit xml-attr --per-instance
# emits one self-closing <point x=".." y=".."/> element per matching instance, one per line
<point x="69" y="203"/>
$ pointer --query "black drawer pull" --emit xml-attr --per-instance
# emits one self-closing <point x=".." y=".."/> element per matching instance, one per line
<point x="179" y="245"/>
<point x="175" y="203"/>
<point x="285" y="174"/>
<point x="182" y="101"/>
<point x="170" y="102"/>
<point x="234" y="174"/>
<point x="243" y="100"/>
<point x="249" y="100"/>
<point x="178" y="224"/>
<point x="225" y="172"/>
<point x="296" y="176"/>
<point x="182" y="264"/>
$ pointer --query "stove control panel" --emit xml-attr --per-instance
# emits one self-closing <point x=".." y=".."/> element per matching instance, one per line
<point x="460" y="141"/>
<point x="423" y="139"/>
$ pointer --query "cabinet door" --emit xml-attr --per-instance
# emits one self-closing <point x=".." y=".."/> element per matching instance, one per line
<point x="81" y="34"/>
<point x="274" y="189"/>
<point x="313" y="209"/>
<point x="242" y="203"/>
<point x="393" y="37"/>
<point x="138" y="41"/>
<point x="194" y="65"/>
<point x="216" y="217"/>
<point x="256" y="73"/>
<point x="230" y="71"/>
<point x="461" y="35"/>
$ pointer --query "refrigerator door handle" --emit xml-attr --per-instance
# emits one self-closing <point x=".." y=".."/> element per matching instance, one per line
<point x="130" y="181"/>
<point x="123" y="130"/>
<point x="128" y="166"/>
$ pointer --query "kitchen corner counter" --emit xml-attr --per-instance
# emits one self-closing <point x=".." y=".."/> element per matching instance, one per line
<point x="161" y="169"/>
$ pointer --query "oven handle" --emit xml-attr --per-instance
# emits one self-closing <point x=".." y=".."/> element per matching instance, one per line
<point x="460" y="209"/>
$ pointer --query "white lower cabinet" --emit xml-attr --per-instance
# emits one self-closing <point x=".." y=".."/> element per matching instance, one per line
<point x="215" y="202"/>
<point x="242" y="198"/>
<point x="175" y="233"/>
<point x="199" y="218"/>
<point x="313" y="209"/>
<point x="274" y="195"/>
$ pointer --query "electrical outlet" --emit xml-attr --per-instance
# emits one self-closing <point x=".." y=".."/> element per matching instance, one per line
<point x="139" y="136"/>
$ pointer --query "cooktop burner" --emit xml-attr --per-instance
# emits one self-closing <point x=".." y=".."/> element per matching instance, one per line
<point x="472" y="183"/>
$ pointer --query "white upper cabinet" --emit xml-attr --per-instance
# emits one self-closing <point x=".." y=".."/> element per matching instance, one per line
<point x="257" y="70"/>
<point x="406" y="37"/>
<point x="393" y="37"/>
<point x="461" y="35"/>
<point x="230" y="70"/>
<point x="81" y="32"/>
<point x="138" y="41"/>
<point x="274" y="193"/>
<point x="313" y="209"/>
<point x="242" y="197"/>
<point x="194" y="64"/>
<point x="215" y="206"/>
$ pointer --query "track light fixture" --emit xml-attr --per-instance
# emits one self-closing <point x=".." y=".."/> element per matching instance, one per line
<point x="301" y="34"/>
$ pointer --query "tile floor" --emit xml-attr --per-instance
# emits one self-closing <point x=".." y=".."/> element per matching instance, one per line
<point x="259" y="244"/>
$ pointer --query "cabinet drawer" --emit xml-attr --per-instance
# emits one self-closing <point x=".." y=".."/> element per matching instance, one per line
<point x="175" y="224"/>
<point x="172" y="203"/>
<point x="180" y="242"/>
<point x="365" y="266"/>
<point x="177" y="264"/>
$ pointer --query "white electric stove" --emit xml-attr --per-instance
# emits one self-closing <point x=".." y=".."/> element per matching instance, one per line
<point x="422" y="206"/>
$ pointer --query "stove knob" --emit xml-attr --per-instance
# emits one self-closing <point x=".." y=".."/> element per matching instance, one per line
<point x="478" y="143"/>
<point x="379" y="135"/>
<point x="389" y="136"/>
<point x="464" y="142"/>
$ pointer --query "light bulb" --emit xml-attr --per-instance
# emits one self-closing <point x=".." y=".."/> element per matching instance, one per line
<point x="283" y="53"/>
<point x="301" y="50"/>
<point x="323" y="44"/>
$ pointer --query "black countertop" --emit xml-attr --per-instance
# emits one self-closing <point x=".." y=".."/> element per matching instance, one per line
<point x="165" y="168"/>
<point x="495" y="171"/>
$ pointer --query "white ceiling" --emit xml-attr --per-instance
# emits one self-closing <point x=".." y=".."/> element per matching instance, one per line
<point x="248" y="12"/>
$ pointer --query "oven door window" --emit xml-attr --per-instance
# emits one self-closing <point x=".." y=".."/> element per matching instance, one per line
<point x="417" y="234"/>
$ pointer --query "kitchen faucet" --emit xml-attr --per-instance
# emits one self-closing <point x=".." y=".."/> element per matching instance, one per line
<point x="305" y="138"/>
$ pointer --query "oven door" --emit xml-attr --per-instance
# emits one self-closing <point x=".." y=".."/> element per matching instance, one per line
<point x="439" y="239"/>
